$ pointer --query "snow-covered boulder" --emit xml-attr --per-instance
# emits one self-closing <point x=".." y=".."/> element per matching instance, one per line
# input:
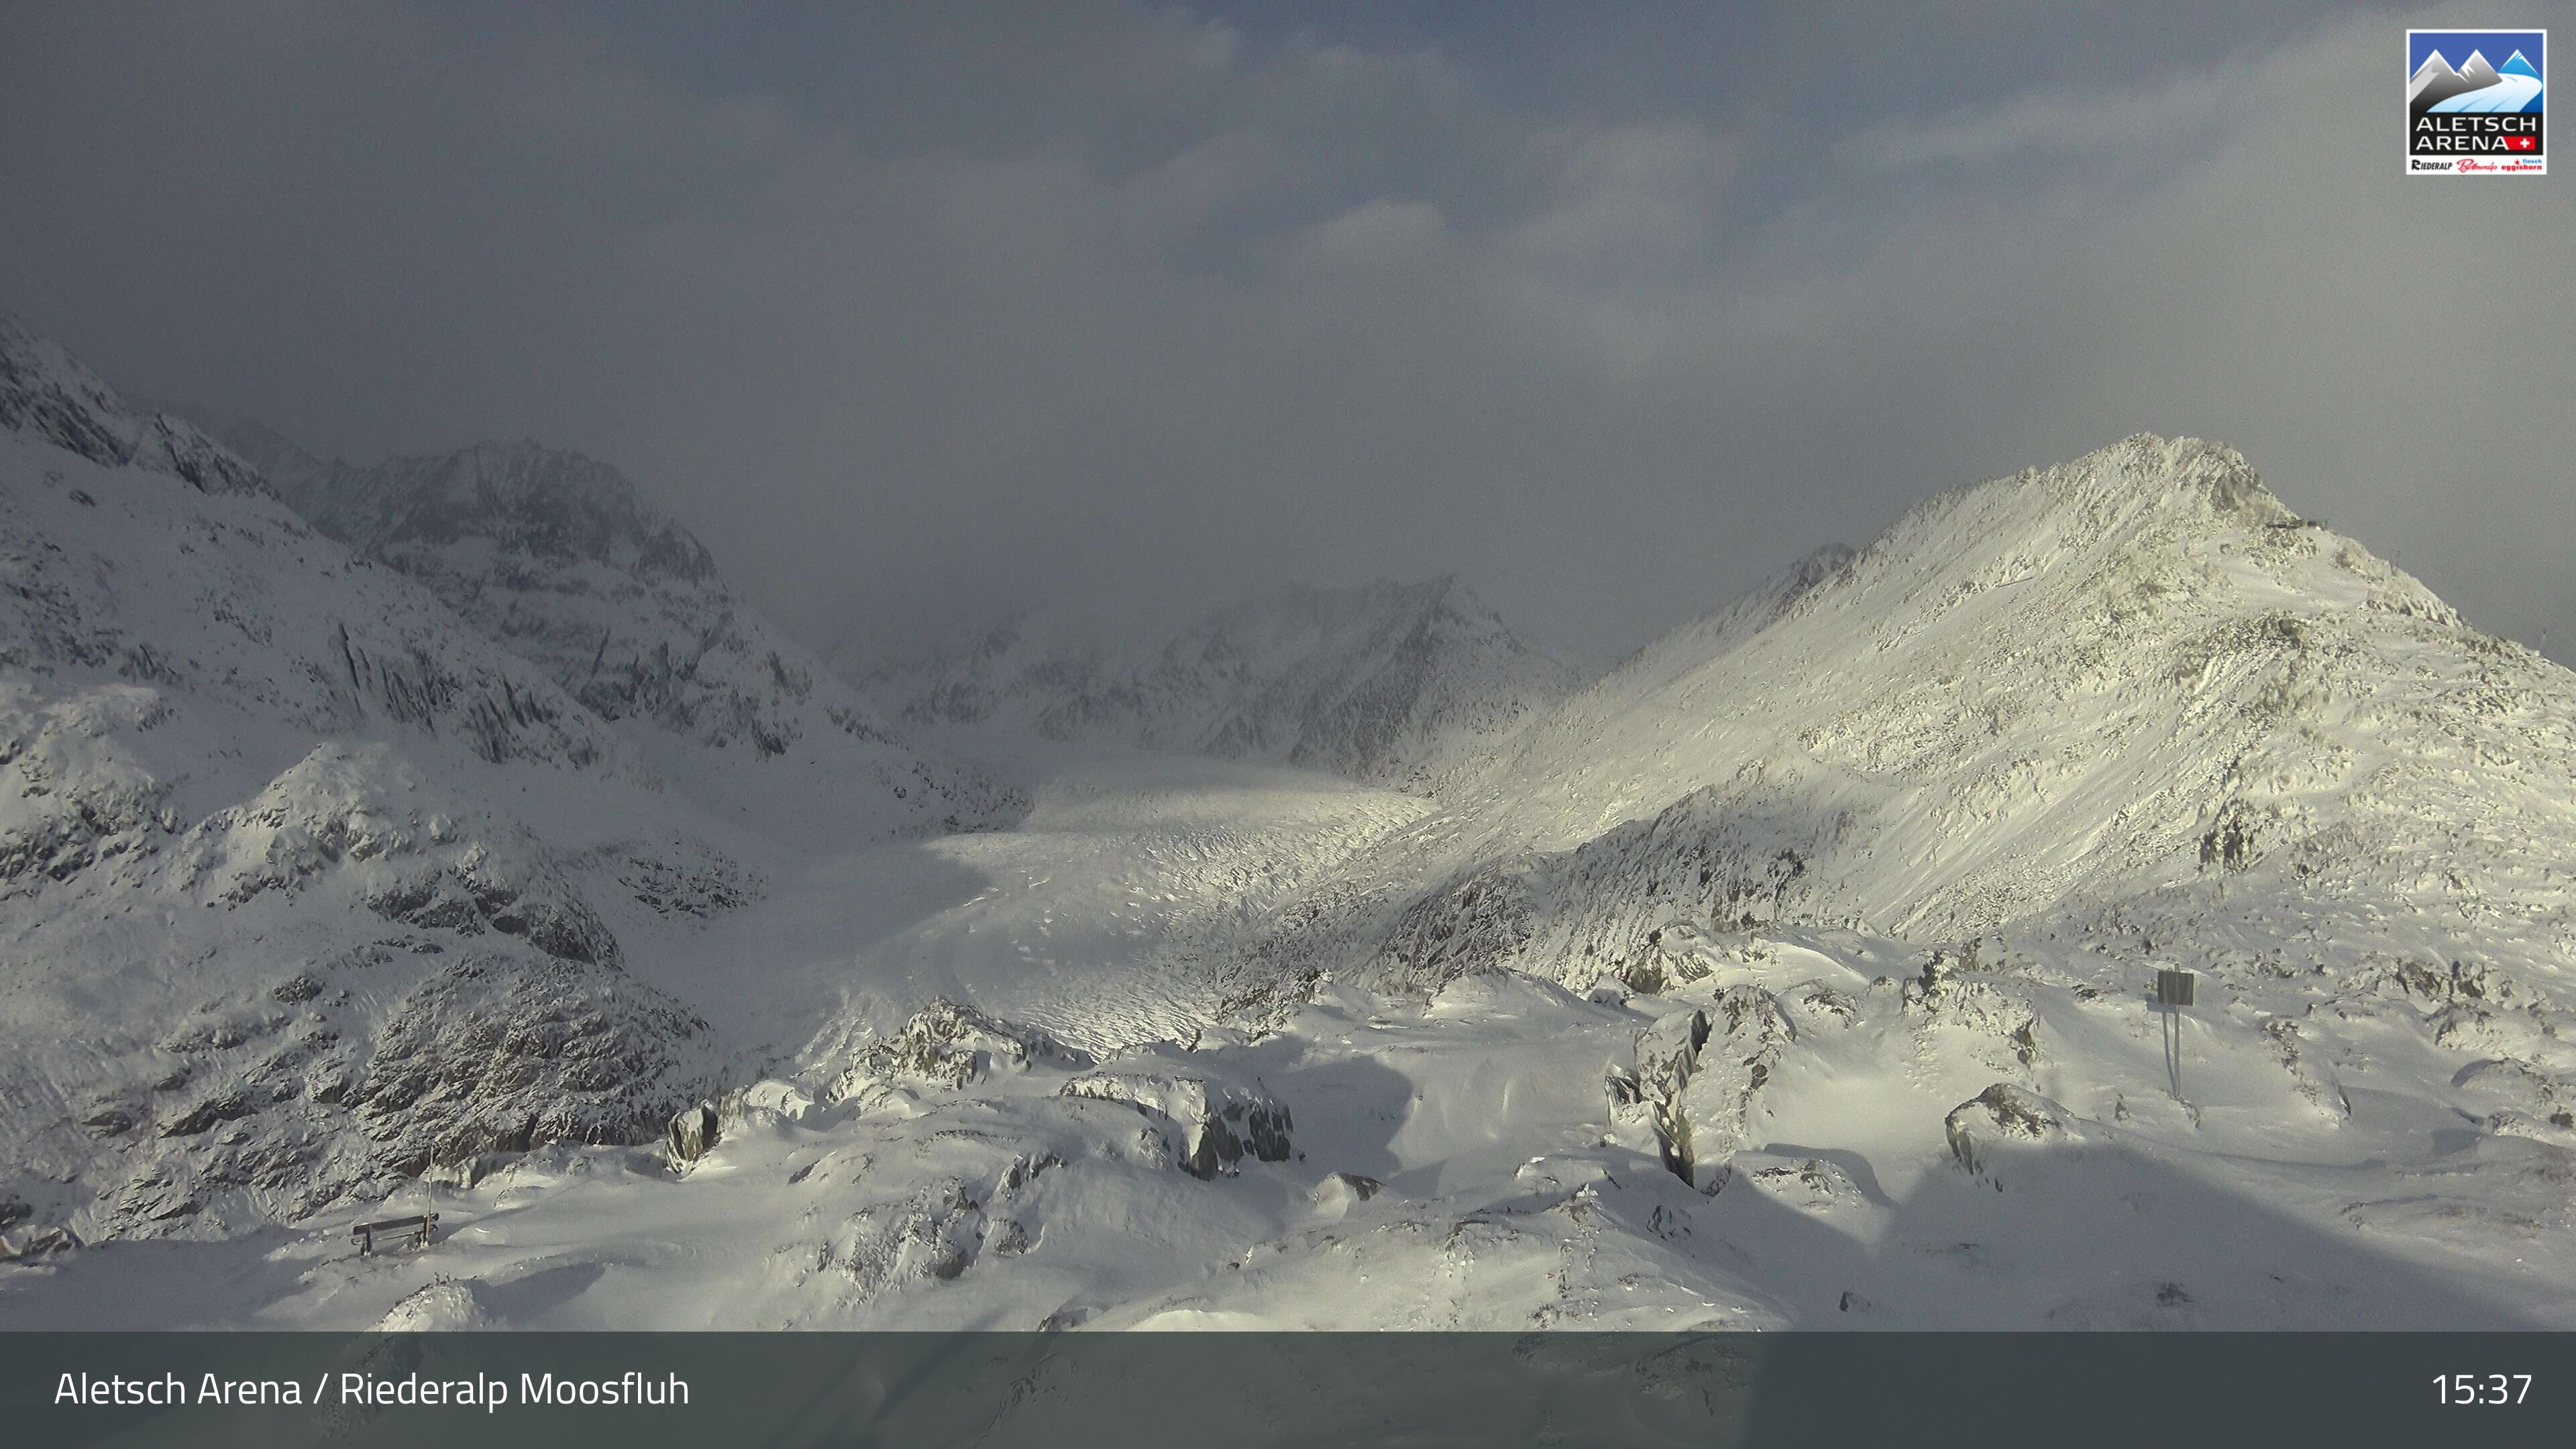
<point x="949" y="1046"/>
<point x="1339" y="1192"/>
<point x="1813" y="1185"/>
<point x="446" y="1306"/>
<point x="1212" y="1125"/>
<point x="2001" y="1118"/>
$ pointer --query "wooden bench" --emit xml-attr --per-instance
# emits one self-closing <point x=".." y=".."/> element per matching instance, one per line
<point x="418" y="1229"/>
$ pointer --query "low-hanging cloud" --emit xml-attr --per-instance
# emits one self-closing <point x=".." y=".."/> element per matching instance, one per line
<point x="926" y="319"/>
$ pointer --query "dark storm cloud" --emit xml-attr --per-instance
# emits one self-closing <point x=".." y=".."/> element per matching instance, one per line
<point x="919" y="315"/>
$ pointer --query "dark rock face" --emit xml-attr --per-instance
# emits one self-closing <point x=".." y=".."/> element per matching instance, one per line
<point x="543" y="504"/>
<point x="694" y="1129"/>
<point x="496" y="1052"/>
<point x="502" y="1054"/>
<point x="461" y="898"/>
<point x="300" y="1105"/>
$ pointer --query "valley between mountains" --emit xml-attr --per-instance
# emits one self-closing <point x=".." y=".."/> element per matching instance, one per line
<point x="448" y="834"/>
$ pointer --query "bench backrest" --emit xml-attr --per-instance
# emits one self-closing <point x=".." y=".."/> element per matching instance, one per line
<point x="365" y="1233"/>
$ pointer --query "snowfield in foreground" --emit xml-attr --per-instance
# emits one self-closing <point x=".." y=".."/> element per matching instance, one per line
<point x="1499" y="1154"/>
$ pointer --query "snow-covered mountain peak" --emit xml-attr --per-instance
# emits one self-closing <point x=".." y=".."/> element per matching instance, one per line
<point x="288" y="847"/>
<point x="558" y="558"/>
<point x="2138" y="485"/>
<point x="547" y="504"/>
<point x="2125" y="689"/>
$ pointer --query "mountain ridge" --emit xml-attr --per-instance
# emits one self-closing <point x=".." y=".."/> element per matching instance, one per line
<point x="557" y="557"/>
<point x="281" y="927"/>
<point x="2051" y="702"/>
<point x="1387" y="683"/>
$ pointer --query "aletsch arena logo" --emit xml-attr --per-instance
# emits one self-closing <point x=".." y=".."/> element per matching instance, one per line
<point x="2473" y="102"/>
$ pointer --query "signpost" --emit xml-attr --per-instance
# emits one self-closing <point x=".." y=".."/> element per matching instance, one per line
<point x="2173" y="993"/>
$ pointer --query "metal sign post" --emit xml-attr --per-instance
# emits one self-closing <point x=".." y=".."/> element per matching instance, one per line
<point x="2173" y="993"/>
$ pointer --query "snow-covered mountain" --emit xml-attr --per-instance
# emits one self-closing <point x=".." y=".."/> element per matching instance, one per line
<point x="2053" y="731"/>
<point x="1794" y="974"/>
<point x="2433" y="82"/>
<point x="2135" y="695"/>
<point x="47" y="396"/>
<point x="1396" y="684"/>
<point x="557" y="558"/>
<point x="273" y="930"/>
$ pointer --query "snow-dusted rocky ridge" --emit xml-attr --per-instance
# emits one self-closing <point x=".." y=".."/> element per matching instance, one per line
<point x="1791" y="976"/>
<point x="1393" y="684"/>
<point x="556" y="558"/>
<point x="269" y="938"/>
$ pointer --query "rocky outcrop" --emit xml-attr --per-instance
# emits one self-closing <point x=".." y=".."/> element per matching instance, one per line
<point x="693" y="1130"/>
<point x="1211" y="1125"/>
<point x="697" y="1128"/>
<point x="1339" y="1192"/>
<point x="947" y="1046"/>
<point x="1983" y="1130"/>
<point x="1699" y="1077"/>
<point x="500" y="1054"/>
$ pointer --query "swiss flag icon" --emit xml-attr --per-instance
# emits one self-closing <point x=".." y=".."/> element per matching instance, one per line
<point x="2522" y="143"/>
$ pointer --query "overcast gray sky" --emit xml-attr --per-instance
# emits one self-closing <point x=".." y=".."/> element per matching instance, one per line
<point x="920" y="313"/>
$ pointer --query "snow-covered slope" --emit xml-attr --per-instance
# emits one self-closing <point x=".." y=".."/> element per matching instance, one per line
<point x="557" y="558"/>
<point x="2131" y="696"/>
<point x="1394" y="684"/>
<point x="47" y="396"/>
<point x="272" y="931"/>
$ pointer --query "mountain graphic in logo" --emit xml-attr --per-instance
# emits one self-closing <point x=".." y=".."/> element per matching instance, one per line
<point x="2473" y="103"/>
<point x="2477" y="86"/>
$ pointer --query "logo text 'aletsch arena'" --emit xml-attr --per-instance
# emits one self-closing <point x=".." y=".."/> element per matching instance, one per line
<point x="2473" y="102"/>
